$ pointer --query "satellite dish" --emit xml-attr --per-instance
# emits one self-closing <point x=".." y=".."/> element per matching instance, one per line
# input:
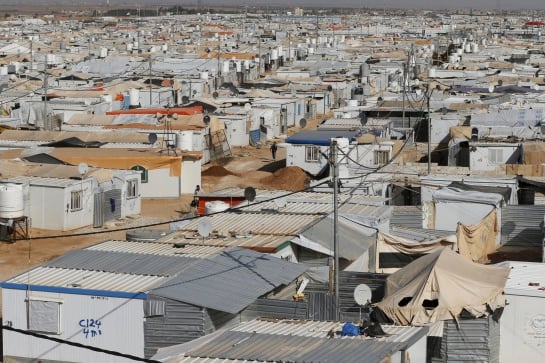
<point x="152" y="138"/>
<point x="500" y="82"/>
<point x="249" y="194"/>
<point x="83" y="169"/>
<point x="362" y="294"/>
<point x="280" y="202"/>
<point x="303" y="123"/>
<point x="215" y="94"/>
<point x="174" y="116"/>
<point x="185" y="100"/>
<point x="329" y="88"/>
<point x="491" y="89"/>
<point x="205" y="227"/>
<point x="206" y="119"/>
<point x="247" y="106"/>
<point x="444" y="110"/>
<point x="159" y="116"/>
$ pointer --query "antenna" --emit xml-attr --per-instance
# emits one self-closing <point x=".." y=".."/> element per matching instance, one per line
<point x="83" y="169"/>
<point x="152" y="138"/>
<point x="362" y="294"/>
<point x="249" y="194"/>
<point x="280" y="202"/>
<point x="205" y="227"/>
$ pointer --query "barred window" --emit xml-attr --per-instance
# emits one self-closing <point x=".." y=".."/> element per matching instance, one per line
<point x="76" y="200"/>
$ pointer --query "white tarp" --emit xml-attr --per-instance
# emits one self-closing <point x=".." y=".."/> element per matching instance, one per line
<point x="439" y="286"/>
<point x="387" y="243"/>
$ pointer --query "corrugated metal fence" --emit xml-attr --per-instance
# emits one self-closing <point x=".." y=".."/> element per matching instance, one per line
<point x="522" y="225"/>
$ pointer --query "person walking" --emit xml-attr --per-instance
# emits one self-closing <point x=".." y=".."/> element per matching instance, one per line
<point x="274" y="147"/>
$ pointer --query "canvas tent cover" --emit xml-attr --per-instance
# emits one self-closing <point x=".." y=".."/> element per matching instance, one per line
<point x="449" y="282"/>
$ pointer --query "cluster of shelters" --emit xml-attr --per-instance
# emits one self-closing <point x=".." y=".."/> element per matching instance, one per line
<point x="430" y="124"/>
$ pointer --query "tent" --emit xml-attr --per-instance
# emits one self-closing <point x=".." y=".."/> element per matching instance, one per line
<point x="439" y="286"/>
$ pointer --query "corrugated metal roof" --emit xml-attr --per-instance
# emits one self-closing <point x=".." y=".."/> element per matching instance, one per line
<point x="264" y="242"/>
<point x="231" y="280"/>
<point x="86" y="136"/>
<point x="521" y="225"/>
<point x="84" y="279"/>
<point x="48" y="182"/>
<point x="257" y="223"/>
<point x="159" y="248"/>
<point x="418" y="234"/>
<point x="122" y="262"/>
<point x="353" y="242"/>
<point x="239" y="345"/>
<point x="320" y="329"/>
<point x="409" y="216"/>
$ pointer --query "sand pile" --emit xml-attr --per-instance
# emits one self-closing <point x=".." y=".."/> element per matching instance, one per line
<point x="217" y="170"/>
<point x="290" y="178"/>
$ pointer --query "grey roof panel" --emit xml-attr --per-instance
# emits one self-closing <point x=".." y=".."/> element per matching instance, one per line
<point x="231" y="280"/>
<point x="120" y="262"/>
<point x="278" y="348"/>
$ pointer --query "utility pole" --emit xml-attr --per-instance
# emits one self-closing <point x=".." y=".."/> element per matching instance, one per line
<point x="46" y="119"/>
<point x="259" y="56"/>
<point x="428" y="96"/>
<point x="335" y="171"/>
<point x="31" y="55"/>
<point x="150" y="80"/>
<point x="219" y="72"/>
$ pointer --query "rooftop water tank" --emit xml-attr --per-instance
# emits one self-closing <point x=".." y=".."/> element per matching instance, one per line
<point x="204" y="76"/>
<point x="184" y="141"/>
<point x="134" y="96"/>
<point x="11" y="200"/>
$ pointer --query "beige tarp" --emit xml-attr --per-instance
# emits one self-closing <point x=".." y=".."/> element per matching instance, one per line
<point x="448" y="279"/>
<point x="460" y="132"/>
<point x="387" y="243"/>
<point x="477" y="241"/>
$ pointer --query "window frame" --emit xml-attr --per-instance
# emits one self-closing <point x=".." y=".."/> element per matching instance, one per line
<point x="76" y="200"/>
<point x="380" y="155"/>
<point x="29" y="310"/>
<point x="132" y="188"/>
<point x="312" y="154"/>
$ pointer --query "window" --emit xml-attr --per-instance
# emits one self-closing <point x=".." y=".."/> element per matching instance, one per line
<point x="132" y="188"/>
<point x="76" y="200"/>
<point x="44" y="316"/>
<point x="312" y="153"/>
<point x="143" y="173"/>
<point x="495" y="156"/>
<point x="381" y="157"/>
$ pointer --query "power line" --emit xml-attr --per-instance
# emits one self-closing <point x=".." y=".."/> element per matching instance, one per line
<point x="176" y="220"/>
<point x="79" y="345"/>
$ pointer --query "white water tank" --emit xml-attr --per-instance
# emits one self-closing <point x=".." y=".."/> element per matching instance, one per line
<point x="129" y="47"/>
<point x="164" y="47"/>
<point x="475" y="47"/>
<point x="50" y="59"/>
<point x="103" y="52"/>
<point x="467" y="48"/>
<point x="274" y="54"/>
<point x="453" y="58"/>
<point x="11" y="200"/>
<point x="238" y="66"/>
<point x="134" y="96"/>
<point x="246" y="64"/>
<point x="204" y="76"/>
<point x="184" y="141"/>
<point x="225" y="67"/>
<point x="3" y="70"/>
<point x="431" y="72"/>
<point x="215" y="207"/>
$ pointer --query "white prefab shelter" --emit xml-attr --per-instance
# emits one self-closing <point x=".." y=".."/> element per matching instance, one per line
<point x="522" y="325"/>
<point x="58" y="204"/>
